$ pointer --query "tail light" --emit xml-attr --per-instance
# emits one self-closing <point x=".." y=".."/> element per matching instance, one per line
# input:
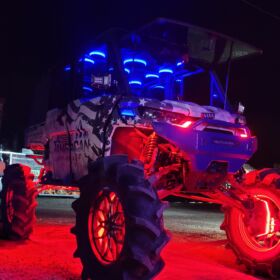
<point x="185" y="124"/>
<point x="242" y="132"/>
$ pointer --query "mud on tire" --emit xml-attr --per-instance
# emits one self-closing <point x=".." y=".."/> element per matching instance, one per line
<point x="18" y="202"/>
<point x="133" y="251"/>
<point x="255" y="237"/>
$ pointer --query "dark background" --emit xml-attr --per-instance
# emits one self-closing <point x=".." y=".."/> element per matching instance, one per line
<point x="37" y="35"/>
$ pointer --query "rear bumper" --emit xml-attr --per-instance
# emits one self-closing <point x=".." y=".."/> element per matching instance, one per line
<point x="203" y="147"/>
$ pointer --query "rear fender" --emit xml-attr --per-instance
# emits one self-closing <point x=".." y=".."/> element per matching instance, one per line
<point x="202" y="147"/>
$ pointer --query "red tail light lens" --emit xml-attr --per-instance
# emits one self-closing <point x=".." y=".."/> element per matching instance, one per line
<point x="185" y="124"/>
<point x="242" y="132"/>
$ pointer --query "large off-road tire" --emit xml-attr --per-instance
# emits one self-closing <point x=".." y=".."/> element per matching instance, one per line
<point x="18" y="202"/>
<point x="255" y="236"/>
<point x="119" y="222"/>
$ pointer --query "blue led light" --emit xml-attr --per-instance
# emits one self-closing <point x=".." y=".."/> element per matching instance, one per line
<point x="188" y="74"/>
<point x="98" y="53"/>
<point x="127" y="112"/>
<point x="180" y="63"/>
<point x="127" y="70"/>
<point x="89" y="60"/>
<point x="87" y="89"/>
<point x="138" y="60"/>
<point x="161" y="87"/>
<point x="111" y="69"/>
<point x="166" y="70"/>
<point x="135" y="82"/>
<point x="178" y="81"/>
<point x="152" y="76"/>
<point x="128" y="60"/>
<point x="215" y="95"/>
<point x="67" y="68"/>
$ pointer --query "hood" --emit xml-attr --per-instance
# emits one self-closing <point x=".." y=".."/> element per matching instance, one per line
<point x="197" y="111"/>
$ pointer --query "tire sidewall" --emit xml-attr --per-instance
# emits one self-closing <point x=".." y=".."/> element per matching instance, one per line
<point x="18" y="188"/>
<point x="18" y="179"/>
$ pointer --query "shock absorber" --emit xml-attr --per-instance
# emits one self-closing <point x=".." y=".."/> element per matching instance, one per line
<point x="150" y="147"/>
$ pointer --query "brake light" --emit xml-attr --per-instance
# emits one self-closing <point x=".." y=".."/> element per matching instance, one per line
<point x="185" y="124"/>
<point x="242" y="132"/>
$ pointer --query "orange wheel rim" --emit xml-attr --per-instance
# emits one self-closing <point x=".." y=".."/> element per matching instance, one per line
<point x="106" y="227"/>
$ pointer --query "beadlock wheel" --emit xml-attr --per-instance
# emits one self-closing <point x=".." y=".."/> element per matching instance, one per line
<point x="119" y="222"/>
<point x="261" y="228"/>
<point x="254" y="235"/>
<point x="257" y="233"/>
<point x="106" y="224"/>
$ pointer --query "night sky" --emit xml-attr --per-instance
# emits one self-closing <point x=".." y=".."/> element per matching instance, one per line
<point x="37" y="35"/>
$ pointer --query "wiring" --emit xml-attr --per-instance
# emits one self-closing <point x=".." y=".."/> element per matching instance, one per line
<point x="261" y="9"/>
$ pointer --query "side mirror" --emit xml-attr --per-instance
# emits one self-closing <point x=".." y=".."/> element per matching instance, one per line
<point x="241" y="108"/>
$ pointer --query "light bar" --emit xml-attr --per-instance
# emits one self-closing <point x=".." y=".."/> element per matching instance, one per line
<point x="128" y="60"/>
<point x="135" y="82"/>
<point x="178" y="81"/>
<point x="67" y="68"/>
<point x="127" y="112"/>
<point x="180" y="63"/>
<point x="98" y="53"/>
<point x="138" y="60"/>
<point x="166" y="70"/>
<point x="127" y="70"/>
<point x="270" y="223"/>
<point x="188" y="74"/>
<point x="152" y="76"/>
<point x="87" y="89"/>
<point x="162" y="87"/>
<point x="89" y="60"/>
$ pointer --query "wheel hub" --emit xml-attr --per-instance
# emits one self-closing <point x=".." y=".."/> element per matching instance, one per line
<point x="106" y="227"/>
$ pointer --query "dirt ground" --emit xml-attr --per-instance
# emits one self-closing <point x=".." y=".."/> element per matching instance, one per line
<point x="193" y="255"/>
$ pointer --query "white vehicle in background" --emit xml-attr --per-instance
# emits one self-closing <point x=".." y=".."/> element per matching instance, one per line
<point x="9" y="157"/>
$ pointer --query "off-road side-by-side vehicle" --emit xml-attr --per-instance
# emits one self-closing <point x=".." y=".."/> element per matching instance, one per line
<point x="124" y="126"/>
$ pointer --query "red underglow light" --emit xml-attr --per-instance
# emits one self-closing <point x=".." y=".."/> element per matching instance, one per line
<point x="270" y="223"/>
